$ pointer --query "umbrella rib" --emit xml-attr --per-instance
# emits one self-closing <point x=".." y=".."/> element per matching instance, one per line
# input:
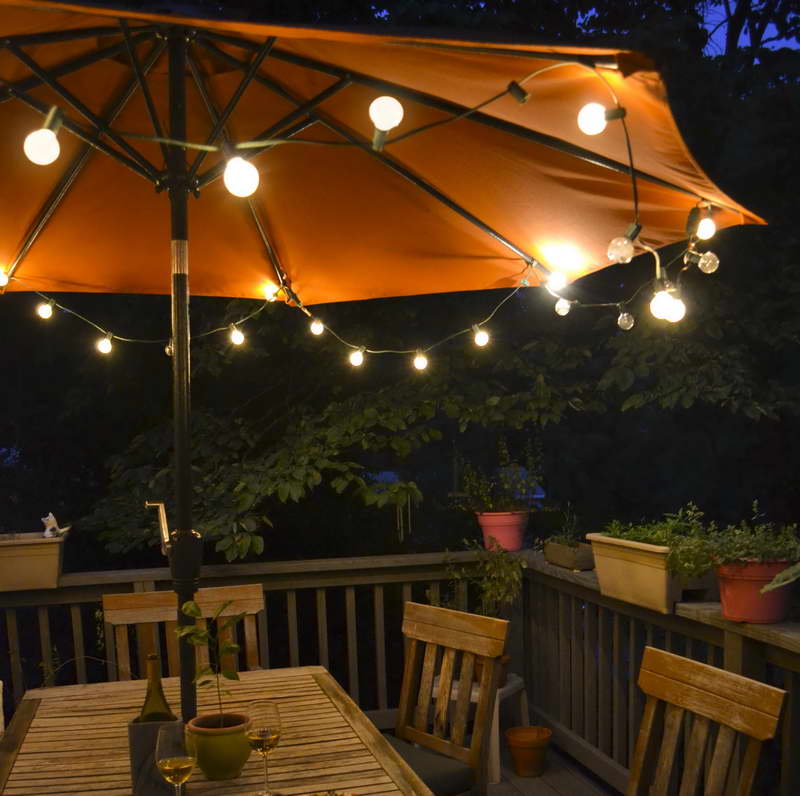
<point x="392" y="164"/>
<point x="214" y="116"/>
<point x="454" y="109"/>
<point x="75" y="168"/>
<point x="68" y="67"/>
<point x="222" y="118"/>
<point x="140" y="79"/>
<point x="57" y="36"/>
<point x="77" y="105"/>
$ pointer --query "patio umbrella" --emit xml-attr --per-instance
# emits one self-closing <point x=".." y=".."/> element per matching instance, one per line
<point x="488" y="180"/>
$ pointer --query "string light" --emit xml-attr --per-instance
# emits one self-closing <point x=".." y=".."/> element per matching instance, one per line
<point x="659" y="304"/>
<point x="592" y="119"/>
<point x="385" y="113"/>
<point x="676" y="310"/>
<point x="4" y="278"/>
<point x="556" y="281"/>
<point x="420" y="361"/>
<point x="45" y="309"/>
<point x="626" y="321"/>
<point x="104" y="345"/>
<point x="240" y="177"/>
<point x="357" y="357"/>
<point x="236" y="335"/>
<point x="563" y="306"/>
<point x="481" y="336"/>
<point x="41" y="146"/>
<point x="316" y="326"/>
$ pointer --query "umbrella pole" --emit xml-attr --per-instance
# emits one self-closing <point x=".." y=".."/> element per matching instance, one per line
<point x="186" y="553"/>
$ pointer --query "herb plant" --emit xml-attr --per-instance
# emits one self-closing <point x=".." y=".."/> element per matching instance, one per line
<point x="570" y="534"/>
<point x="210" y="636"/>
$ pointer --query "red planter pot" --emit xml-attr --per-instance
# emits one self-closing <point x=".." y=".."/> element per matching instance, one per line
<point x="507" y="528"/>
<point x="740" y="592"/>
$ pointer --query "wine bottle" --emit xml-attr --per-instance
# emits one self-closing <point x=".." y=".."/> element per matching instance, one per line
<point x="155" y="707"/>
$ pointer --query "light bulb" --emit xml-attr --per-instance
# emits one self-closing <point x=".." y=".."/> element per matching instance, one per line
<point x="481" y="336"/>
<point x="271" y="291"/>
<point x="3" y="278"/>
<point x="237" y="337"/>
<point x="563" y="306"/>
<point x="168" y="349"/>
<point x="357" y="357"/>
<point x="556" y="281"/>
<point x="708" y="262"/>
<point x="385" y="113"/>
<point x="706" y="228"/>
<point x="420" y="361"/>
<point x="45" y="310"/>
<point x="592" y="119"/>
<point x="660" y="304"/>
<point x="626" y="321"/>
<point x="675" y="311"/>
<point x="620" y="250"/>
<point x="103" y="345"/>
<point x="240" y="177"/>
<point x="317" y="326"/>
<point x="41" y="146"/>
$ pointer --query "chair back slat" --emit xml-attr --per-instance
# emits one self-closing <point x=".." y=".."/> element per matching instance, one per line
<point x="429" y="680"/>
<point x="147" y="610"/>
<point x="695" y="698"/>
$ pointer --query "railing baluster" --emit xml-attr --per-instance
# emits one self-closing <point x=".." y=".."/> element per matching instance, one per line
<point x="620" y="731"/>
<point x="565" y="698"/>
<point x="435" y="593"/>
<point x="576" y="663"/>
<point x="461" y="595"/>
<point x="380" y="647"/>
<point x="263" y="634"/>
<point x="590" y="682"/>
<point x="605" y="645"/>
<point x="77" y="642"/>
<point x="790" y="733"/>
<point x="406" y="592"/>
<point x="17" y="682"/>
<point x="291" y="615"/>
<point x="352" y="641"/>
<point x="45" y="644"/>
<point x="552" y="639"/>
<point x="322" y="628"/>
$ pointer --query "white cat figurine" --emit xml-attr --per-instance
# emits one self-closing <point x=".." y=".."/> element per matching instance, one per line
<point x="51" y="528"/>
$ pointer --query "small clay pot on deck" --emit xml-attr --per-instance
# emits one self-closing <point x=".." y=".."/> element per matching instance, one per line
<point x="528" y="747"/>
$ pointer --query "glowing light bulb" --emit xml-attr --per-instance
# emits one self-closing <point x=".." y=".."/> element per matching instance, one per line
<point x="420" y="361"/>
<point x="317" y="326"/>
<point x="706" y="228"/>
<point x="385" y="113"/>
<point x="3" y="278"/>
<point x="675" y="311"/>
<point x="708" y="262"/>
<point x="240" y="177"/>
<point x="660" y="304"/>
<point x="237" y="337"/>
<point x="592" y="119"/>
<point x="626" y="321"/>
<point x="620" y="250"/>
<point x="481" y="336"/>
<point x="357" y="357"/>
<point x="41" y="147"/>
<point x="556" y="281"/>
<point x="168" y="349"/>
<point x="563" y="306"/>
<point x="103" y="345"/>
<point x="45" y="310"/>
<point x="271" y="291"/>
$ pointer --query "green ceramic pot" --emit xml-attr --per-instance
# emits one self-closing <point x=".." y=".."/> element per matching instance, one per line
<point x="223" y="750"/>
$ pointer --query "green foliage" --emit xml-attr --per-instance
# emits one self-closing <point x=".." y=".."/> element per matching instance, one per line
<point x="211" y="637"/>
<point x="495" y="577"/>
<point x="756" y="539"/>
<point x="509" y="487"/>
<point x="571" y="533"/>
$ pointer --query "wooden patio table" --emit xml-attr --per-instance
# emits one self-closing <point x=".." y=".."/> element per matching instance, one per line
<point x="73" y="739"/>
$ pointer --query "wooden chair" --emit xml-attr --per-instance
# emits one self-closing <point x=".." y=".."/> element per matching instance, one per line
<point x="147" y="610"/>
<point x="685" y="695"/>
<point x="444" y="645"/>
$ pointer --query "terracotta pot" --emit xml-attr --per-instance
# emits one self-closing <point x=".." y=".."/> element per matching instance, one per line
<point x="221" y="751"/>
<point x="528" y="747"/>
<point x="740" y="592"/>
<point x="507" y="528"/>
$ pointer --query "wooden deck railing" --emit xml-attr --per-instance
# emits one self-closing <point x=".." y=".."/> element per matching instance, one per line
<point x="315" y="613"/>
<point x="583" y="653"/>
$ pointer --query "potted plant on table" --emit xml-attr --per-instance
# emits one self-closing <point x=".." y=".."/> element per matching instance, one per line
<point x="567" y="548"/>
<point x="220" y="737"/>
<point x="502" y="499"/>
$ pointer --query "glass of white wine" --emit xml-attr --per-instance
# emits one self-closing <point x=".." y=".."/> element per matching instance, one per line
<point x="175" y="754"/>
<point x="264" y="732"/>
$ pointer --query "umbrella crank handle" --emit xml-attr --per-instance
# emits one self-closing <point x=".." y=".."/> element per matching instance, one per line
<point x="162" y="521"/>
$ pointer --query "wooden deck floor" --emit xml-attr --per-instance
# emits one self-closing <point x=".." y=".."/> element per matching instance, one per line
<point x="563" y="777"/>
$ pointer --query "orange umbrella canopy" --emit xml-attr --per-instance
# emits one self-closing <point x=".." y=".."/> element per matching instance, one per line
<point x="464" y="205"/>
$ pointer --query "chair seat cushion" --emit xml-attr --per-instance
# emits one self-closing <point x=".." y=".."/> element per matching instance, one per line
<point x="443" y="775"/>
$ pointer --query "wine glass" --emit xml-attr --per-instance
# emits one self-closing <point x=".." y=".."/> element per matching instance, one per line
<point x="264" y="732"/>
<point x="175" y="754"/>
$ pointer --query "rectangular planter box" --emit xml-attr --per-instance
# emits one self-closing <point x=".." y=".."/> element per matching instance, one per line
<point x="561" y="555"/>
<point x="637" y="573"/>
<point x="29" y="561"/>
